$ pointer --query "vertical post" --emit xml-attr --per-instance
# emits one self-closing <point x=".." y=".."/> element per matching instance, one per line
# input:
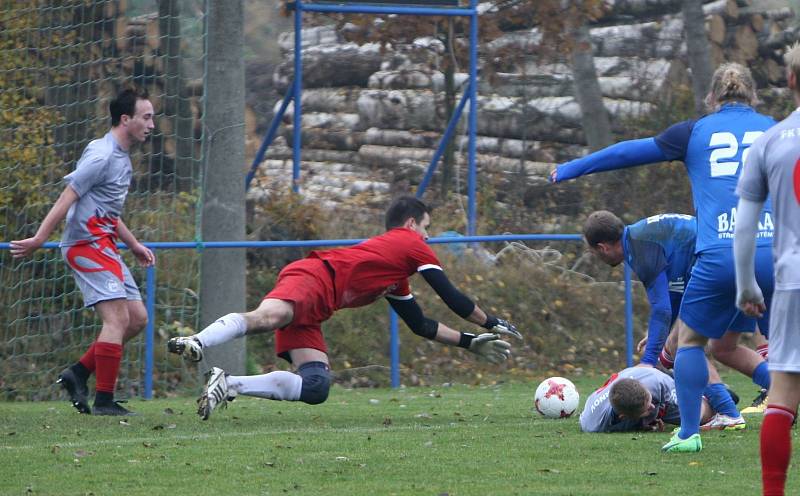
<point x="473" y="117"/>
<point x="298" y="88"/>
<point x="628" y="316"/>
<point x="394" y="345"/>
<point x="150" y="305"/>
<point x="223" y="271"/>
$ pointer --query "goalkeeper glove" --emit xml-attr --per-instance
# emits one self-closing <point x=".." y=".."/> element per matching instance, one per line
<point x="487" y="345"/>
<point x="501" y="326"/>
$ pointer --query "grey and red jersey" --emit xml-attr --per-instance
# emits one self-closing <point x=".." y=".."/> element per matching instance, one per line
<point x="101" y="179"/>
<point x="773" y="166"/>
<point x="598" y="416"/>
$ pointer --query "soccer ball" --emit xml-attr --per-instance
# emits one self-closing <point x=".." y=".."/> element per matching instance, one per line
<point x="556" y="397"/>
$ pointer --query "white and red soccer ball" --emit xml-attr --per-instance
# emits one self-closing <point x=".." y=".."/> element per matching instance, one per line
<point x="556" y="397"/>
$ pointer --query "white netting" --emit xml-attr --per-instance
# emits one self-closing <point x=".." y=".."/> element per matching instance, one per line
<point x="62" y="60"/>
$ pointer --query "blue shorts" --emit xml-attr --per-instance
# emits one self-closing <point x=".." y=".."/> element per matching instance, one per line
<point x="709" y="303"/>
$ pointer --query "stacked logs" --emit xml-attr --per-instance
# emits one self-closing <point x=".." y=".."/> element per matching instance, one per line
<point x="381" y="111"/>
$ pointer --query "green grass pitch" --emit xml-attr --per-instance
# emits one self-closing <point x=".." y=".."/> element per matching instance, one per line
<point x="454" y="440"/>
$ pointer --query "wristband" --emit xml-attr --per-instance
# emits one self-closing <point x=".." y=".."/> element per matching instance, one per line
<point x="465" y="340"/>
<point x="491" y="321"/>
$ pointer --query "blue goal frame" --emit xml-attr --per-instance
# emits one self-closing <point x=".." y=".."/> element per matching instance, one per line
<point x="398" y="7"/>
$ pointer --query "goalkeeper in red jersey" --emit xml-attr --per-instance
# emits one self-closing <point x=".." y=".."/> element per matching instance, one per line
<point x="310" y="290"/>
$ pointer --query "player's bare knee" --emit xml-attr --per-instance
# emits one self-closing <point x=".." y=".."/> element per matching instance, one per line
<point x="118" y="323"/>
<point x="720" y="351"/>
<point x="269" y="317"/>
<point x="135" y="326"/>
<point x="316" y="382"/>
<point x="137" y="322"/>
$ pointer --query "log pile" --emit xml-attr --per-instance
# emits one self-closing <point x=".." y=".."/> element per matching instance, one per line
<point x="373" y="117"/>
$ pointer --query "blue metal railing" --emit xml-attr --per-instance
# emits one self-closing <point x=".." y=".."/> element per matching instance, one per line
<point x="150" y="285"/>
<point x="295" y="91"/>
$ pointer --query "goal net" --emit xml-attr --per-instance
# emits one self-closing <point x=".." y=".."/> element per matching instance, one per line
<point x="63" y="60"/>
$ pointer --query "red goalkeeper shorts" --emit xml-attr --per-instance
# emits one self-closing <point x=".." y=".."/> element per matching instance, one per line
<point x="308" y="284"/>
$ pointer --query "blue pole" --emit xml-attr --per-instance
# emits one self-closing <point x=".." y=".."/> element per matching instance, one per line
<point x="628" y="317"/>
<point x="273" y="130"/>
<point x="394" y="345"/>
<point x="298" y="88"/>
<point x="307" y="243"/>
<point x="150" y="331"/>
<point x="473" y="117"/>
<point x="451" y="126"/>
<point x="377" y="9"/>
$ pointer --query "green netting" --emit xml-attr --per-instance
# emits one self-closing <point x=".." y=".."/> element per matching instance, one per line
<point x="62" y="60"/>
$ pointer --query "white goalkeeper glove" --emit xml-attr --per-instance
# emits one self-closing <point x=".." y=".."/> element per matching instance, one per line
<point x="489" y="346"/>
<point x="501" y="326"/>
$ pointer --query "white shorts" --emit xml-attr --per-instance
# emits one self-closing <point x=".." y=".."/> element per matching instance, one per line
<point x="784" y="331"/>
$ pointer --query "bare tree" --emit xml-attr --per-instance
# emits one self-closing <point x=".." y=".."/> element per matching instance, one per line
<point x="698" y="50"/>
<point x="594" y="116"/>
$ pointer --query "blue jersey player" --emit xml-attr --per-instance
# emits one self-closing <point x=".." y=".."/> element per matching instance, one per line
<point x="660" y="251"/>
<point x="712" y="148"/>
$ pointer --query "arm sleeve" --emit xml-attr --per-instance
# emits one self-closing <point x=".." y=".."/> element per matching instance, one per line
<point x="619" y="156"/>
<point x="87" y="173"/>
<point x="412" y="315"/>
<point x="753" y="183"/>
<point x="660" y="318"/>
<point x="744" y="241"/>
<point x="674" y="141"/>
<point x="455" y="300"/>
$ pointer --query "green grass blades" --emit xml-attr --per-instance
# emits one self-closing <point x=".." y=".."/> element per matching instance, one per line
<point x="454" y="440"/>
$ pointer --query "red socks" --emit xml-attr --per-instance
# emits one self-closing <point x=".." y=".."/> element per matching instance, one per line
<point x="666" y="359"/>
<point x="107" y="357"/>
<point x="763" y="350"/>
<point x="776" y="448"/>
<point x="87" y="360"/>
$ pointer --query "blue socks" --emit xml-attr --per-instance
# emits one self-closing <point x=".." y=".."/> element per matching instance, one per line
<point x="720" y="400"/>
<point x="761" y="375"/>
<point x="691" y="378"/>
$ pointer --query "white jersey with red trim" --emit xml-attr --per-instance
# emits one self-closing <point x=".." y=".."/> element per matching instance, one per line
<point x="101" y="179"/>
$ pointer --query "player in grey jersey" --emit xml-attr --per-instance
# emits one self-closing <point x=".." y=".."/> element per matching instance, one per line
<point x="636" y="399"/>
<point x="92" y="203"/>
<point x="773" y="167"/>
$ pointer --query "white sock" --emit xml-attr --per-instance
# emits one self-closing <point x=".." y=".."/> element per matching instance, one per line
<point x="226" y="328"/>
<point x="278" y="385"/>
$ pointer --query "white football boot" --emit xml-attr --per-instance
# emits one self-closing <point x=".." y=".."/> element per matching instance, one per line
<point x="215" y="394"/>
<point x="187" y="346"/>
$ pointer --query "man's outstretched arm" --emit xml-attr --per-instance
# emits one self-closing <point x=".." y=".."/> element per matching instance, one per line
<point x="464" y="307"/>
<point x="487" y="345"/>
<point x="618" y="156"/>
<point x="24" y="247"/>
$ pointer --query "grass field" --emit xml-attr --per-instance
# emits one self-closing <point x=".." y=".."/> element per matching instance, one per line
<point x="454" y="440"/>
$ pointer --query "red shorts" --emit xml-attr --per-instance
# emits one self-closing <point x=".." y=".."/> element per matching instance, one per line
<point x="308" y="284"/>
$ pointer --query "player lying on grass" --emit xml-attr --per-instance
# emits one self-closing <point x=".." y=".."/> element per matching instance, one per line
<point x="773" y="168"/>
<point x="660" y="251"/>
<point x="712" y="149"/>
<point x="310" y="290"/>
<point x="638" y="399"/>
